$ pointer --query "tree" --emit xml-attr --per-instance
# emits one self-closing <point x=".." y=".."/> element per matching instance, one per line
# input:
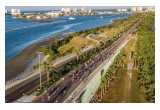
<point x="48" y="68"/>
<point x="78" y="52"/>
<point x="144" y="57"/>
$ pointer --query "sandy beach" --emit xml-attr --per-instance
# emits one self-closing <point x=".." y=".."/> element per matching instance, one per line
<point x="20" y="62"/>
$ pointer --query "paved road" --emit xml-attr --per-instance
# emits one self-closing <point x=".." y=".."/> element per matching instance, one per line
<point x="88" y="37"/>
<point x="61" y="61"/>
<point x="57" y="93"/>
<point x="14" y="93"/>
<point x="77" y="92"/>
<point x="33" y="79"/>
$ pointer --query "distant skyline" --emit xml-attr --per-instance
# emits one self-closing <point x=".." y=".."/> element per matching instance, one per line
<point x="29" y="8"/>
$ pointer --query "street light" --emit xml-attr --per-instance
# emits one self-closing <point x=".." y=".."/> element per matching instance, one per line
<point x="40" y="70"/>
<point x="86" y="42"/>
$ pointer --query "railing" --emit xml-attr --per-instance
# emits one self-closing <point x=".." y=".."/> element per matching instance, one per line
<point x="19" y="77"/>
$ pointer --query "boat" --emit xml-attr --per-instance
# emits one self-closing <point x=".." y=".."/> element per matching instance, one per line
<point x="71" y="18"/>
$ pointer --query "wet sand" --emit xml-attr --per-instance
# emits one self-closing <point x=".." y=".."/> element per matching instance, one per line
<point x="19" y="63"/>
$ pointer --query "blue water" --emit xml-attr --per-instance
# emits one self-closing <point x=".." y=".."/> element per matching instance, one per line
<point x="19" y="33"/>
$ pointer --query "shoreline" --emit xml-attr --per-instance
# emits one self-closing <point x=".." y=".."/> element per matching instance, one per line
<point x="22" y="60"/>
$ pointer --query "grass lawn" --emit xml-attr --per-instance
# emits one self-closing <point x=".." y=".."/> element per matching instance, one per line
<point x="118" y="89"/>
<point x="76" y="42"/>
<point x="99" y="38"/>
<point x="112" y="32"/>
<point x="108" y="32"/>
<point x="124" y="88"/>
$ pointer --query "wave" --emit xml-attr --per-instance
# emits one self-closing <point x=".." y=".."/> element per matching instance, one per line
<point x="65" y="27"/>
<point x="33" y="26"/>
<point x="17" y="49"/>
<point x="42" y="36"/>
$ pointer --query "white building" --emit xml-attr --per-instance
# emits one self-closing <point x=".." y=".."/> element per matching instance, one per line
<point x="90" y="11"/>
<point x="6" y="11"/>
<point x="83" y="9"/>
<point x="66" y="10"/>
<point x="63" y="9"/>
<point x="139" y="9"/>
<point x="38" y="17"/>
<point x="53" y="14"/>
<point x="119" y="10"/>
<point x="149" y="8"/>
<point x="15" y="12"/>
<point x="124" y="10"/>
<point x="133" y="9"/>
<point x="75" y="10"/>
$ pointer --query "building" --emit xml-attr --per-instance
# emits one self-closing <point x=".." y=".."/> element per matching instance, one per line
<point x="83" y="9"/>
<point x="66" y="11"/>
<point x="6" y="11"/>
<point x="74" y="10"/>
<point x="139" y="9"/>
<point x="63" y="9"/>
<point x="133" y="9"/>
<point x="38" y="17"/>
<point x="149" y="8"/>
<point x="90" y="11"/>
<point x="119" y="10"/>
<point x="53" y="13"/>
<point x="124" y="10"/>
<point x="15" y="12"/>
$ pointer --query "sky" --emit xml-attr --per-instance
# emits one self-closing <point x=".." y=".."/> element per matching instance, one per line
<point x="29" y="8"/>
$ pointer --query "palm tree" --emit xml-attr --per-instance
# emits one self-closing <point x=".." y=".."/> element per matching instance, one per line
<point x="78" y="52"/>
<point x="48" y="68"/>
<point x="95" y="45"/>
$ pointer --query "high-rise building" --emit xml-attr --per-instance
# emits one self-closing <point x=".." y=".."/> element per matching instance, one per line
<point x="65" y="10"/>
<point x="15" y="12"/>
<point x="149" y="8"/>
<point x="124" y="10"/>
<point x="90" y="11"/>
<point x="68" y="10"/>
<point x="74" y="9"/>
<point x="119" y="10"/>
<point x="139" y="9"/>
<point x="133" y="9"/>
<point x="6" y="11"/>
<point x="62" y="9"/>
<point x="83" y="9"/>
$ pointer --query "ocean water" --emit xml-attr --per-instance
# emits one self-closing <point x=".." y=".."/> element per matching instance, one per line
<point x="20" y="33"/>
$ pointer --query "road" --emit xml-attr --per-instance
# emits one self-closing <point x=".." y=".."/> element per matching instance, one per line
<point x="33" y="79"/>
<point x="77" y="92"/>
<point x="58" y="92"/>
<point x="14" y="93"/>
<point x="62" y="60"/>
<point x="88" y="37"/>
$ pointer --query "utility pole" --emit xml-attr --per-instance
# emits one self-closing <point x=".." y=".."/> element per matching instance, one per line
<point x="101" y="92"/>
<point x="40" y="80"/>
<point x="86" y="42"/>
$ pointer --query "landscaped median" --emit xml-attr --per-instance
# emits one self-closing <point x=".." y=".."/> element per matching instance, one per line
<point x="68" y="43"/>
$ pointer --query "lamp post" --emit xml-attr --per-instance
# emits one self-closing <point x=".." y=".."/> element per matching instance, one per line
<point x="40" y="69"/>
<point x="86" y="42"/>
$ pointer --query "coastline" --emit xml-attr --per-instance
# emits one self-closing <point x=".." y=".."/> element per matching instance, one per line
<point x="115" y="20"/>
<point x="20" y="62"/>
